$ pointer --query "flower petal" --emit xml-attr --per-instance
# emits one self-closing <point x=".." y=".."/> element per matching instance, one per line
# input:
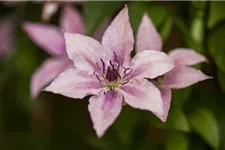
<point x="100" y="31"/>
<point x="48" y="71"/>
<point x="142" y="94"/>
<point x="148" y="36"/>
<point x="118" y="36"/>
<point x="166" y="96"/>
<point x="184" y="56"/>
<point x="104" y="108"/>
<point x="75" y="84"/>
<point x="181" y="77"/>
<point x="49" y="9"/>
<point x="6" y="37"/>
<point x="150" y="64"/>
<point x="71" y="20"/>
<point x="84" y="51"/>
<point x="48" y="37"/>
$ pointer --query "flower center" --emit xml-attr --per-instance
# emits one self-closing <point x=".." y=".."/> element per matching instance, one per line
<point x="114" y="74"/>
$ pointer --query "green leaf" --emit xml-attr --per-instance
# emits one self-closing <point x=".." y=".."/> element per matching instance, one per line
<point x="185" y="32"/>
<point x="216" y="13"/>
<point x="176" y="121"/>
<point x="98" y="143"/>
<point x="25" y="62"/>
<point x="166" y="27"/>
<point x="136" y="10"/>
<point x="197" y="30"/>
<point x="96" y="12"/>
<point x="217" y="47"/>
<point x="126" y="123"/>
<point x="181" y="96"/>
<point x="221" y="78"/>
<point x="176" y="141"/>
<point x="205" y="124"/>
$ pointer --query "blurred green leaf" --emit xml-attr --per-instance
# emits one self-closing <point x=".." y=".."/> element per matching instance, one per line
<point x="205" y="124"/>
<point x="214" y="99"/>
<point x="24" y="64"/>
<point x="176" y="121"/>
<point x="216" y="13"/>
<point x="197" y="29"/>
<point x="221" y="78"/>
<point x="100" y="144"/>
<point x="136" y="10"/>
<point x="180" y="96"/>
<point x="216" y="47"/>
<point x="126" y="123"/>
<point x="176" y="141"/>
<point x="96" y="12"/>
<point x="185" y="31"/>
<point x="166" y="27"/>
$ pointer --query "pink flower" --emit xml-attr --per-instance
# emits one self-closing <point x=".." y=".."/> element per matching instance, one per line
<point x="6" y="37"/>
<point x="107" y="72"/>
<point x="51" y="7"/>
<point x="182" y="75"/>
<point x="51" y="39"/>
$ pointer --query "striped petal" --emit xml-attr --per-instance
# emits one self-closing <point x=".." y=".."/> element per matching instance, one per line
<point x="104" y="108"/>
<point x="48" y="37"/>
<point x="75" y="84"/>
<point x="71" y="20"/>
<point x="118" y="36"/>
<point x="142" y="94"/>
<point x="184" y="56"/>
<point x="181" y="77"/>
<point x="46" y="73"/>
<point x="148" y="36"/>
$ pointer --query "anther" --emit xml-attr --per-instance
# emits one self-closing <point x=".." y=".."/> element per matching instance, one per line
<point x="103" y="66"/>
<point x="125" y="82"/>
<point x="97" y="76"/>
<point x="125" y="72"/>
<point x="98" y="66"/>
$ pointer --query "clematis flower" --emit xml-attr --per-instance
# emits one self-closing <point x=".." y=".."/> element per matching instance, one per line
<point x="51" y="39"/>
<point x="182" y="75"/>
<point x="107" y="73"/>
<point x="6" y="37"/>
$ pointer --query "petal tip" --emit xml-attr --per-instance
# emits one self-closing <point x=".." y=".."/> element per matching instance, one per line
<point x="163" y="118"/>
<point x="99" y="133"/>
<point x="208" y="77"/>
<point x="34" y="95"/>
<point x="26" y="26"/>
<point x="47" y="89"/>
<point x="145" y="16"/>
<point x="125" y="9"/>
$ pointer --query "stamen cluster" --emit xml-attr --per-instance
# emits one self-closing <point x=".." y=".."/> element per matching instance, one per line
<point x="112" y="75"/>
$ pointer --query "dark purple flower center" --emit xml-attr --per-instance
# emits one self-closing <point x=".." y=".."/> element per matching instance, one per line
<point x="113" y="74"/>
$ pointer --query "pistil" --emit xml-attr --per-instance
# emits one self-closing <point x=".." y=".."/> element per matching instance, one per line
<point x="110" y="75"/>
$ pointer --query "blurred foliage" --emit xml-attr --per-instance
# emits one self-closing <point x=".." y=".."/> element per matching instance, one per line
<point x="176" y="141"/>
<point x="197" y="117"/>
<point x="204" y="123"/>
